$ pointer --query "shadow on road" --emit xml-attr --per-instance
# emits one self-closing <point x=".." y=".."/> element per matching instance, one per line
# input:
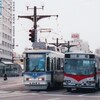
<point x="83" y="91"/>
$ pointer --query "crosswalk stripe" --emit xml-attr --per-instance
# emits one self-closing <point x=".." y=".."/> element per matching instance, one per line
<point x="1" y="92"/>
<point x="5" y="94"/>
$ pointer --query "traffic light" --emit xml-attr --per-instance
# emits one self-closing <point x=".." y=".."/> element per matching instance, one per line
<point x="32" y="35"/>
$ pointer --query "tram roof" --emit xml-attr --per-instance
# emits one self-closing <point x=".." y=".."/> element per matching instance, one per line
<point x="79" y="52"/>
<point x="41" y="51"/>
<point x="2" y="64"/>
<point x="7" y="62"/>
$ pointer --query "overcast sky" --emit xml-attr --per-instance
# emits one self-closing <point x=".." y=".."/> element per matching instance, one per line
<point x="75" y="16"/>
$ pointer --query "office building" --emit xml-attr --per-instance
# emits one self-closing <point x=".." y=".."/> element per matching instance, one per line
<point x="7" y="21"/>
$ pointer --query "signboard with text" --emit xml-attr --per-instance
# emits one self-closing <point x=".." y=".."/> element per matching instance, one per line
<point x="75" y="36"/>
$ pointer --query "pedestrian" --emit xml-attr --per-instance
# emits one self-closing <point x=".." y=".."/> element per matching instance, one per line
<point x="5" y="77"/>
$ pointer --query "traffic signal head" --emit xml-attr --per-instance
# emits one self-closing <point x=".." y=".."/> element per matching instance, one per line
<point x="32" y="35"/>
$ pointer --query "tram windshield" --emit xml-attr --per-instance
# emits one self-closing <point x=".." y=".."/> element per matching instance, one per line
<point x="79" y="67"/>
<point x="35" y="62"/>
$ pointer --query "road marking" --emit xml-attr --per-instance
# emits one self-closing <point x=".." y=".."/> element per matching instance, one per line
<point x="54" y="99"/>
<point x="4" y="92"/>
<point x="42" y="92"/>
<point x="15" y="94"/>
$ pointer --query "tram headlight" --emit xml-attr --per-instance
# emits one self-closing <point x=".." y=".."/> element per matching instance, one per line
<point x="67" y="81"/>
<point x="28" y="79"/>
<point x="41" y="78"/>
<point x="91" y="82"/>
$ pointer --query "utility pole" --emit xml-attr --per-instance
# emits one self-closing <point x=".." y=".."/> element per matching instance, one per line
<point x="36" y="18"/>
<point x="57" y="44"/>
<point x="69" y="46"/>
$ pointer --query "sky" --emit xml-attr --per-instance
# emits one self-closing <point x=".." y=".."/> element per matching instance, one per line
<point x="74" y="16"/>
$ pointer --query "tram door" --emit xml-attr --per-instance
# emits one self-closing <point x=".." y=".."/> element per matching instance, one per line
<point x="50" y="68"/>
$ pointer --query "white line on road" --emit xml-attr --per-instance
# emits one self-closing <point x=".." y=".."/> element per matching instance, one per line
<point x="4" y="92"/>
<point x="54" y="99"/>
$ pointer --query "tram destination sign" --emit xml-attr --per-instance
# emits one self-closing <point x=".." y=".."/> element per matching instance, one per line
<point x="81" y="56"/>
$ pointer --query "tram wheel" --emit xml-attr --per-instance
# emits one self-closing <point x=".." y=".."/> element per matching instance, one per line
<point x="69" y="89"/>
<point x="48" y="87"/>
<point x="96" y="87"/>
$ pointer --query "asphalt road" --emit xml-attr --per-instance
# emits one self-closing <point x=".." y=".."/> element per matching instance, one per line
<point x="15" y="90"/>
<point x="43" y="95"/>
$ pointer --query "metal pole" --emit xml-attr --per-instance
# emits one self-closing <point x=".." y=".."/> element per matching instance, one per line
<point x="35" y="23"/>
<point x="68" y="46"/>
<point x="35" y="19"/>
<point x="57" y="42"/>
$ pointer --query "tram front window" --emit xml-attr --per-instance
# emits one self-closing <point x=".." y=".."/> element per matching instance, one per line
<point x="79" y="67"/>
<point x="35" y="62"/>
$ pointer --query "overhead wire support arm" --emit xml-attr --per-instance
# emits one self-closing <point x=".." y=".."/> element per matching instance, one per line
<point x="36" y="17"/>
<point x="44" y="16"/>
<point x="28" y="17"/>
<point x="31" y="17"/>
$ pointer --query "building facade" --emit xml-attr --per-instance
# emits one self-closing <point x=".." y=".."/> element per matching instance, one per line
<point x="97" y="51"/>
<point x="80" y="46"/>
<point x="77" y="44"/>
<point x="6" y="29"/>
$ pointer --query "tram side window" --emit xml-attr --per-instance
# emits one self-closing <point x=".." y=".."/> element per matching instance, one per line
<point x="98" y="65"/>
<point x="48" y="64"/>
<point x="27" y="63"/>
<point x="52" y="64"/>
<point x="55" y="64"/>
<point x="62" y="64"/>
<point x="58" y="64"/>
